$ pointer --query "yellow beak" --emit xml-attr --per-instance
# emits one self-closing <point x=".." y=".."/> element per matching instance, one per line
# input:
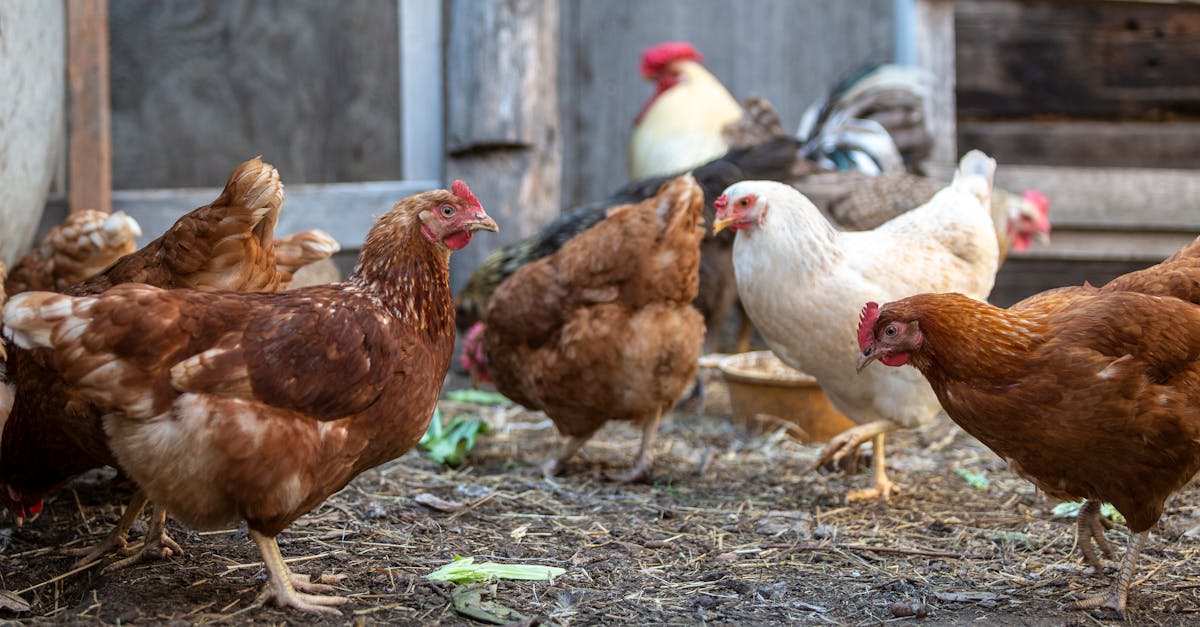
<point x="720" y="224"/>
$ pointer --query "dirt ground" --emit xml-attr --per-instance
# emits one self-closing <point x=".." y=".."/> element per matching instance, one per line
<point x="732" y="529"/>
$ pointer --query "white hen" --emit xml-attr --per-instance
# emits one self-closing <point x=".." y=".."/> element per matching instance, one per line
<point x="802" y="283"/>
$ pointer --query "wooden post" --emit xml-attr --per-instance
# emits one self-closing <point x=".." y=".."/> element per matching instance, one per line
<point x="90" y="148"/>
<point x="935" y="52"/>
<point x="502" y="138"/>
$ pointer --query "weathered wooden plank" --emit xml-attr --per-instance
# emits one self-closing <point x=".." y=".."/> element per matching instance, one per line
<point x="1086" y="143"/>
<point x="90" y="174"/>
<point x="1110" y="59"/>
<point x="1022" y="277"/>
<point x="1070" y="244"/>
<point x="198" y="85"/>
<point x="502" y="115"/>
<point x="345" y="210"/>
<point x="935" y="52"/>
<point x="1135" y="199"/>
<point x="790" y="51"/>
<point x="421" y="88"/>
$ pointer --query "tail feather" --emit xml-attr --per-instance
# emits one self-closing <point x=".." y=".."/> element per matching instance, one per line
<point x="31" y="318"/>
<point x="254" y="185"/>
<point x="297" y="250"/>
<point x="975" y="173"/>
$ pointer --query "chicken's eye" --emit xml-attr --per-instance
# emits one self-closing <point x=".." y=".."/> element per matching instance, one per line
<point x="744" y="202"/>
<point x="447" y="211"/>
<point x="890" y="330"/>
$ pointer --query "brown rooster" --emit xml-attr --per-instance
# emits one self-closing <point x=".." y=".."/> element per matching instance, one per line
<point x="82" y="246"/>
<point x="603" y="329"/>
<point x="1090" y="393"/>
<point x="52" y="434"/>
<point x="256" y="406"/>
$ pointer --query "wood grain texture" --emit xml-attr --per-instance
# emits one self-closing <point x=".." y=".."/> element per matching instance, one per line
<point x="1087" y="143"/>
<point x="935" y="52"/>
<point x="502" y="134"/>
<point x="1117" y="60"/>
<point x="197" y="85"/>
<point x="90" y="174"/>
<point x="790" y="51"/>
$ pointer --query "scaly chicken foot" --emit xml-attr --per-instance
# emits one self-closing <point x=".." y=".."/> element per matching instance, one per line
<point x="645" y="460"/>
<point x="1090" y="528"/>
<point x="157" y="545"/>
<point x="558" y="465"/>
<point x="287" y="589"/>
<point x="117" y="539"/>
<point x="883" y="486"/>
<point x="1118" y="593"/>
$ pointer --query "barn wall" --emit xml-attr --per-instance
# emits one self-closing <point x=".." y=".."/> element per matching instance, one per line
<point x="200" y="85"/>
<point x="790" y="51"/>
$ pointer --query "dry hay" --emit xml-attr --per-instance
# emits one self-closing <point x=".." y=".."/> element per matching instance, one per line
<point x="733" y="529"/>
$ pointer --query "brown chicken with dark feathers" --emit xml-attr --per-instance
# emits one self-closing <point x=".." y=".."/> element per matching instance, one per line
<point x="1090" y="393"/>
<point x="603" y="329"/>
<point x="229" y="406"/>
<point x="52" y="433"/>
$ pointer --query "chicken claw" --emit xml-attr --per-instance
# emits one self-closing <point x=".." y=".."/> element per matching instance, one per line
<point x="116" y="540"/>
<point x="287" y="589"/>
<point x="847" y="442"/>
<point x="157" y="545"/>
<point x="558" y="465"/>
<point x="643" y="467"/>
<point x="1116" y="596"/>
<point x="1090" y="528"/>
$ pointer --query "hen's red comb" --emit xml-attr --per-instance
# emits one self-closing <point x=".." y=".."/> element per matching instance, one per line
<point x="655" y="58"/>
<point x="721" y="203"/>
<point x="1038" y="200"/>
<point x="866" y="324"/>
<point x="461" y="190"/>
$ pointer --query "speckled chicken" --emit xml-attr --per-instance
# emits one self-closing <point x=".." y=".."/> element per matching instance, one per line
<point x="81" y="247"/>
<point x="604" y="329"/>
<point x="228" y="406"/>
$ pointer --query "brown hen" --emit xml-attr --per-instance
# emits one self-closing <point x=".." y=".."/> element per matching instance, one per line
<point x="229" y="406"/>
<point x="53" y="434"/>
<point x="603" y="329"/>
<point x="82" y="246"/>
<point x="1090" y="393"/>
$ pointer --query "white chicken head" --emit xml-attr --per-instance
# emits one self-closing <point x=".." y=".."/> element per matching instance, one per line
<point x="743" y="205"/>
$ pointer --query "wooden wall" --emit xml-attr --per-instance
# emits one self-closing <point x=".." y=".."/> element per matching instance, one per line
<point x="790" y="51"/>
<point x="200" y="85"/>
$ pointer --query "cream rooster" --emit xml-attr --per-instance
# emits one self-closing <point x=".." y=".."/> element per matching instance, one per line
<point x="680" y="126"/>
<point x="802" y="283"/>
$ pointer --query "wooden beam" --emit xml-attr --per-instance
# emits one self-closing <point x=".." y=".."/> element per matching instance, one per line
<point x="421" y="89"/>
<point x="502" y="129"/>
<point x="1086" y="143"/>
<point x="935" y="52"/>
<point x="90" y="175"/>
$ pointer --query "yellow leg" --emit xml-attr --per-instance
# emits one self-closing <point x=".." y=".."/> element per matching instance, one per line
<point x="883" y="486"/>
<point x="283" y="585"/>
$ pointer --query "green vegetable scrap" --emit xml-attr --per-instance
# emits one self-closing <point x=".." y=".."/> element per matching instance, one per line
<point x="976" y="480"/>
<point x="1070" y="509"/>
<point x="465" y="570"/>
<point x="478" y="397"/>
<point x="449" y="444"/>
